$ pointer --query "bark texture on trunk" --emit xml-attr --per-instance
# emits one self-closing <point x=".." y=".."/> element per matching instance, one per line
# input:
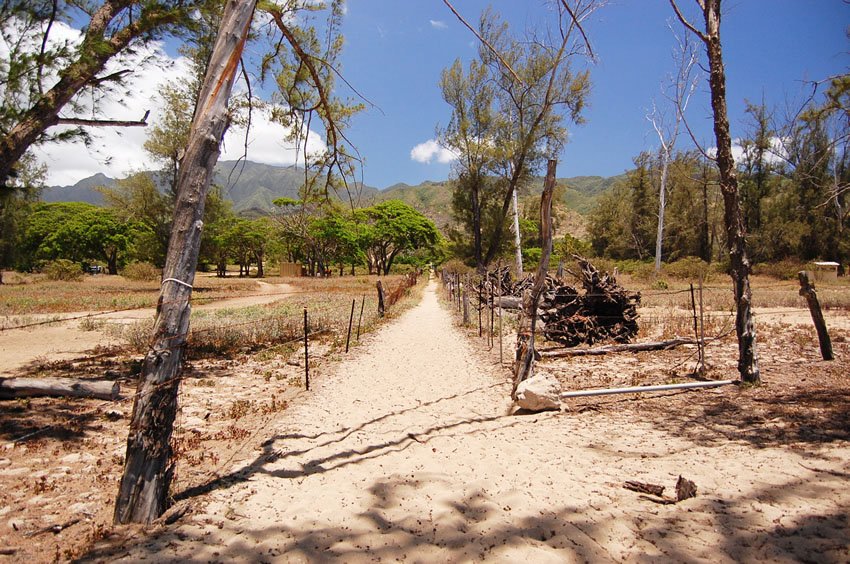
<point x="734" y="218"/>
<point x="732" y="215"/>
<point x="525" y="353"/>
<point x="149" y="464"/>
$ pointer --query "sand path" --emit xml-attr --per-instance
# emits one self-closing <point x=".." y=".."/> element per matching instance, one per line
<point x="406" y="452"/>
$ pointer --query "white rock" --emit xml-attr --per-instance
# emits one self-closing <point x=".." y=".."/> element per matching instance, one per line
<point x="77" y="457"/>
<point x="541" y="392"/>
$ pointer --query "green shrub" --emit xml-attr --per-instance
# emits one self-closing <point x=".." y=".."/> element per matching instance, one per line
<point x="660" y="284"/>
<point x="456" y="266"/>
<point x="785" y="269"/>
<point x="141" y="271"/>
<point x="688" y="268"/>
<point x="63" y="269"/>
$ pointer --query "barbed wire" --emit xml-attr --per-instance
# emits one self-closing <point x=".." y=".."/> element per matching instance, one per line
<point x="150" y="389"/>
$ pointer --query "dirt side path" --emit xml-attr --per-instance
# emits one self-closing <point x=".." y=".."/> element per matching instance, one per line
<point x="406" y="452"/>
<point x="21" y="348"/>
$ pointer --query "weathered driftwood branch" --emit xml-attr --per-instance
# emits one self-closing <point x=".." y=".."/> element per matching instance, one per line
<point x="11" y="388"/>
<point x="628" y="347"/>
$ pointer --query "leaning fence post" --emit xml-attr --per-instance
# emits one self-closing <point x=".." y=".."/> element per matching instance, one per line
<point x="306" y="353"/>
<point x="350" y="322"/>
<point x="700" y="368"/>
<point x="380" y="299"/>
<point x="466" y="303"/>
<point x="360" y="319"/>
<point x="499" y="290"/>
<point x="807" y="290"/>
<point x="480" y="284"/>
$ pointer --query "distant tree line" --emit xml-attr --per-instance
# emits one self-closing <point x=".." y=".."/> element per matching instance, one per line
<point x="134" y="227"/>
<point x="794" y="183"/>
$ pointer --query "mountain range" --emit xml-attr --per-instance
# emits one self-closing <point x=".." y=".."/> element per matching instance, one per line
<point x="252" y="187"/>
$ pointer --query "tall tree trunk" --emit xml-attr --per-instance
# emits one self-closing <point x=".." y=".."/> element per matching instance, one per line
<point x="662" y="205"/>
<point x="525" y="337"/>
<point x="517" y="238"/>
<point x="149" y="464"/>
<point x="733" y="217"/>
<point x="475" y="197"/>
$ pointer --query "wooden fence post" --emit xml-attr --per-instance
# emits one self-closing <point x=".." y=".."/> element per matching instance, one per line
<point x="360" y="319"/>
<point x="501" y="344"/>
<point x="807" y="290"/>
<point x="306" y="353"/>
<point x="350" y="323"/>
<point x="523" y="367"/>
<point x="466" y="303"/>
<point x="380" y="299"/>
<point x="479" y="308"/>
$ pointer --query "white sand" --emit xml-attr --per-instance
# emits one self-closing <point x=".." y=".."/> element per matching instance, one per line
<point x="406" y="452"/>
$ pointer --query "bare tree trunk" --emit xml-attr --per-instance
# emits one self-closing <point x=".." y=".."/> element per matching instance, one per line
<point x="662" y="205"/>
<point x="525" y="337"/>
<point x="733" y="217"/>
<point x="744" y="323"/>
<point x="149" y="465"/>
<point x="517" y="238"/>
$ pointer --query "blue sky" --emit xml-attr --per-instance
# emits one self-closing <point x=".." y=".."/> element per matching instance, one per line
<point x="396" y="49"/>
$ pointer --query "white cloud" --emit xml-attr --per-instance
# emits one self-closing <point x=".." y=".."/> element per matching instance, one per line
<point x="117" y="152"/>
<point x="774" y="155"/>
<point x="438" y="24"/>
<point x="266" y="143"/>
<point x="431" y="150"/>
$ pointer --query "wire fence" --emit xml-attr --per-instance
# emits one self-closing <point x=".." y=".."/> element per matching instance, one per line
<point x="708" y="324"/>
<point x="326" y="319"/>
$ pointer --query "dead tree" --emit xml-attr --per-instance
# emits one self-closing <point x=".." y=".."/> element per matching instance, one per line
<point x="149" y="464"/>
<point x="525" y="337"/>
<point x="732" y="215"/>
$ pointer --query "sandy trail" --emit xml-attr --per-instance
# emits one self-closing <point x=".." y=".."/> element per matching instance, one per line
<point x="407" y="452"/>
<point x="66" y="340"/>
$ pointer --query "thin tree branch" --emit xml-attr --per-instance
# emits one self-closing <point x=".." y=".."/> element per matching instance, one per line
<point x="104" y="122"/>
<point x="484" y="41"/>
<point x="688" y="24"/>
<point x="577" y="22"/>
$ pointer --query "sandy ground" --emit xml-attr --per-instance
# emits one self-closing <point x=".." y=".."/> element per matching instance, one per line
<point x="409" y="452"/>
<point x="65" y="340"/>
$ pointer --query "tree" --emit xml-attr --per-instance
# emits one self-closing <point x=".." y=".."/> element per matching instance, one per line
<point x="393" y="228"/>
<point x="137" y="199"/>
<point x="509" y="115"/>
<point x="45" y="75"/>
<point x="75" y="231"/>
<point x="149" y="465"/>
<point x="678" y="93"/>
<point x="733" y="217"/>
<point x="15" y="204"/>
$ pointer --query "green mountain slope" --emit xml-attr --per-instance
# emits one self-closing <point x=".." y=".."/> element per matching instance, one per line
<point x="252" y="187"/>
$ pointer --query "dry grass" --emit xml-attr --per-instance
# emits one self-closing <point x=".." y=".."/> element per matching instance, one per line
<point x="34" y="294"/>
<point x="250" y="329"/>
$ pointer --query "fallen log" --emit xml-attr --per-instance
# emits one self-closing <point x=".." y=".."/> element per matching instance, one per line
<point x="11" y="388"/>
<point x="627" y="347"/>
<point x="642" y="389"/>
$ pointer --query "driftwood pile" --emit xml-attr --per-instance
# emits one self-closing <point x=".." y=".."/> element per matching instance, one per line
<point x="603" y="311"/>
